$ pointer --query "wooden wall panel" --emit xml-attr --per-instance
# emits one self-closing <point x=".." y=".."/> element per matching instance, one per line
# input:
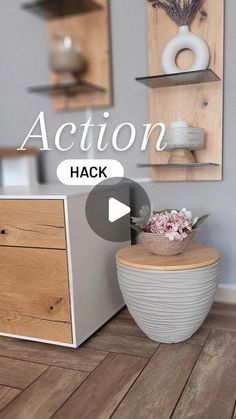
<point x="91" y="32"/>
<point x="201" y="104"/>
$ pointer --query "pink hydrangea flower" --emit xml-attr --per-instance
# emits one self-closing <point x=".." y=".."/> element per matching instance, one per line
<point x="174" y="225"/>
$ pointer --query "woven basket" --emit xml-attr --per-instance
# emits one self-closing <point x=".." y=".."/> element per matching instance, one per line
<point x="162" y="246"/>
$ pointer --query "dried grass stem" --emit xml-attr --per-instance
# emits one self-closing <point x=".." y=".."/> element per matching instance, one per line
<point x="181" y="12"/>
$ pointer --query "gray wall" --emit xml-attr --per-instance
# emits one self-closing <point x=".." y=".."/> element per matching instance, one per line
<point x="24" y="62"/>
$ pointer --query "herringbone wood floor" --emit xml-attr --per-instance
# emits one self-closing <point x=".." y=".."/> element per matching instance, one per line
<point x="119" y="373"/>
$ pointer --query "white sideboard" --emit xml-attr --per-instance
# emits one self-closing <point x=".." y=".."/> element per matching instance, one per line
<point x="58" y="278"/>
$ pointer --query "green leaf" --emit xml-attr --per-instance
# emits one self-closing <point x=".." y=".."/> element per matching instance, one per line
<point x="200" y="221"/>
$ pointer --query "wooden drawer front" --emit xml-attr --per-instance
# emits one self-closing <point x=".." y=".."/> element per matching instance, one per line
<point x="34" y="293"/>
<point x="32" y="223"/>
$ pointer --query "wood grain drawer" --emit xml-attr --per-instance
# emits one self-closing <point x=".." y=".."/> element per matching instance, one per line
<point x="32" y="223"/>
<point x="34" y="293"/>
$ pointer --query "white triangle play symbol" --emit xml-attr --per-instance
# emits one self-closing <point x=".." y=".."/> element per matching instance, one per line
<point x="117" y="210"/>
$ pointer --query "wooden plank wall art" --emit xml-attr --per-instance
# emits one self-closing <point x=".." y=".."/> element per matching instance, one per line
<point x="79" y="52"/>
<point x="90" y="33"/>
<point x="199" y="104"/>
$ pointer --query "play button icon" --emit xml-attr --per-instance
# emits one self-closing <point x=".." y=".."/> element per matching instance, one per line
<point x="110" y="206"/>
<point x="117" y="210"/>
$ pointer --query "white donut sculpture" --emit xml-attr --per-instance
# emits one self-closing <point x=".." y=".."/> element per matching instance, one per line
<point x="185" y="39"/>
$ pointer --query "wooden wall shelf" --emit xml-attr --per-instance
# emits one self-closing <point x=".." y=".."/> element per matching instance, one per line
<point x="87" y="22"/>
<point x="56" y="8"/>
<point x="179" y="79"/>
<point x="69" y="89"/>
<point x="91" y="32"/>
<point x="191" y="97"/>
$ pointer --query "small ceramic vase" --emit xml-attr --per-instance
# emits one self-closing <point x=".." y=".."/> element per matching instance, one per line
<point x="185" y="39"/>
<point x="66" y="59"/>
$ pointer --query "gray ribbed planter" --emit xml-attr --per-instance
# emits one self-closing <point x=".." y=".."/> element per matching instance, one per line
<point x="169" y="306"/>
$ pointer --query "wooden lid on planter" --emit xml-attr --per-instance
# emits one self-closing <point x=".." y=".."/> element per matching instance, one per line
<point x="196" y="256"/>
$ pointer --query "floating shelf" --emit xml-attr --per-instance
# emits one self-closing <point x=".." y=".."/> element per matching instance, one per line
<point x="174" y="165"/>
<point x="68" y="89"/>
<point x="179" y="79"/>
<point x="55" y="8"/>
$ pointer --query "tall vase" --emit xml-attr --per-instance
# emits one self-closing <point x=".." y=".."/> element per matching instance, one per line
<point x="185" y="39"/>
